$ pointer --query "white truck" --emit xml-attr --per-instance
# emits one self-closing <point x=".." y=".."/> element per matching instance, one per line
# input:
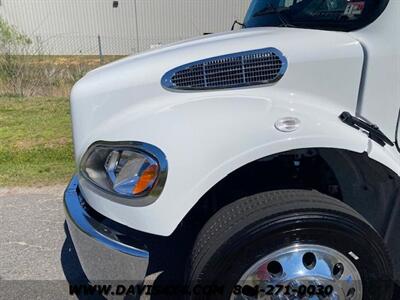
<point x="264" y="160"/>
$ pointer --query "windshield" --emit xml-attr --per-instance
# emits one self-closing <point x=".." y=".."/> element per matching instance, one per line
<point x="343" y="15"/>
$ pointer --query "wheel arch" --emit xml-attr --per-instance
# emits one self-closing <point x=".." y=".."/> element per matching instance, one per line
<point x="365" y="184"/>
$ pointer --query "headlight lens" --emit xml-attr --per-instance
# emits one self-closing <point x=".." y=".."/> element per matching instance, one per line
<point x="123" y="169"/>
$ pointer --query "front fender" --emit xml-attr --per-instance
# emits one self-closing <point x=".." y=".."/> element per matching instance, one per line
<point x="207" y="138"/>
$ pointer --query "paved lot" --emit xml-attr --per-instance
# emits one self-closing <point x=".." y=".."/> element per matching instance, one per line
<point x="34" y="250"/>
<point x="37" y="259"/>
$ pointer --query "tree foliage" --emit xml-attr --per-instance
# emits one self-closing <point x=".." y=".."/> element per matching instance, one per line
<point x="10" y="36"/>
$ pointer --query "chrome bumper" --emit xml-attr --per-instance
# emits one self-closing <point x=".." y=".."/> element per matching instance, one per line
<point x="101" y="253"/>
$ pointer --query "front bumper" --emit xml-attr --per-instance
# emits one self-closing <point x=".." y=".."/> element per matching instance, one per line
<point x="104" y="253"/>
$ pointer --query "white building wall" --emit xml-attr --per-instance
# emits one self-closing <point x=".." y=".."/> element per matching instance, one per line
<point x="73" y="26"/>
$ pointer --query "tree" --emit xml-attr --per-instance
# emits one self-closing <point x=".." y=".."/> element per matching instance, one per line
<point x="15" y="70"/>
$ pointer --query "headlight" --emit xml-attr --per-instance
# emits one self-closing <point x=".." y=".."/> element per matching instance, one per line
<point x="128" y="170"/>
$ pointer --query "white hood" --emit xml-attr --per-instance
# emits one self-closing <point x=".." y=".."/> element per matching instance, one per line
<point x="324" y="65"/>
<point x="206" y="135"/>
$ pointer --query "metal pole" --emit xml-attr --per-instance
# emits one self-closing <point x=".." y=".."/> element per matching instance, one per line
<point x="100" y="49"/>
<point x="137" y="28"/>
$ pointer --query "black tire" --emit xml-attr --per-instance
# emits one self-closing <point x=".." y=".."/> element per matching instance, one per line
<point x="241" y="233"/>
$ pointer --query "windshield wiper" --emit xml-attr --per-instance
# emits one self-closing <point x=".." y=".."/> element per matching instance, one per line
<point x="271" y="10"/>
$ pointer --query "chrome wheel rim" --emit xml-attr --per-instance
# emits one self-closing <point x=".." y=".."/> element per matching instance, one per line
<point x="302" y="265"/>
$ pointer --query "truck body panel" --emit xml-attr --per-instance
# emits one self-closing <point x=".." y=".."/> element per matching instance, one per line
<point x="379" y="100"/>
<point x="207" y="135"/>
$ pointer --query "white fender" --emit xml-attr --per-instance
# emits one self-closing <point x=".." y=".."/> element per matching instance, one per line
<point x="207" y="135"/>
<point x="206" y="139"/>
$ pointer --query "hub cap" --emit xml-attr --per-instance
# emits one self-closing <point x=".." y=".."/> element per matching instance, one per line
<point x="306" y="272"/>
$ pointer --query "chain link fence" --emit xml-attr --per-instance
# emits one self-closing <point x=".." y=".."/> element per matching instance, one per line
<point x="72" y="27"/>
<point x="47" y="45"/>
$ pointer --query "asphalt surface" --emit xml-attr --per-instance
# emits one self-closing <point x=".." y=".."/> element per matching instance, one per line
<point x="37" y="257"/>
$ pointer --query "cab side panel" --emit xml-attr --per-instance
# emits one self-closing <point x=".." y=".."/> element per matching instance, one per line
<point x="379" y="99"/>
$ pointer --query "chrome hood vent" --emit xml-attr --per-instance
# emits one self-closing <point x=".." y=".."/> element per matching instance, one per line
<point x="256" y="67"/>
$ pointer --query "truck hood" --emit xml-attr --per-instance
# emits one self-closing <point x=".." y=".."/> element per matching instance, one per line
<point x="322" y="65"/>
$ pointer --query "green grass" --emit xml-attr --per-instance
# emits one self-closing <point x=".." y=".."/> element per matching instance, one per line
<point x="36" y="143"/>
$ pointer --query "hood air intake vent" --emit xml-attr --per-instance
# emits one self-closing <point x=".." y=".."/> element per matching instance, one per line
<point x="262" y="66"/>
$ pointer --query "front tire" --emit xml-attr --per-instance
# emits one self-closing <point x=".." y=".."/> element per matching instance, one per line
<point x="288" y="237"/>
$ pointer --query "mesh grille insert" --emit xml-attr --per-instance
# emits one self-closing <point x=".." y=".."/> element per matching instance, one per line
<point x="248" y="68"/>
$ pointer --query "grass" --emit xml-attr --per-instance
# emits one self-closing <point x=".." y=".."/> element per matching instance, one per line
<point x="36" y="143"/>
<point x="92" y="61"/>
<point x="44" y="75"/>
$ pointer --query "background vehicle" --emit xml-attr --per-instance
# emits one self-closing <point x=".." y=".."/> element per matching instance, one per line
<point x="250" y="156"/>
